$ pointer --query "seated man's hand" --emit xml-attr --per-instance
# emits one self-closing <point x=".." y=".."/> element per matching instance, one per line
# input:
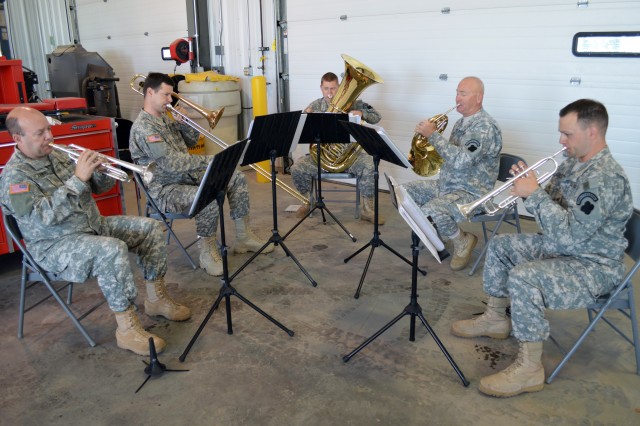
<point x="87" y="163"/>
<point x="526" y="184"/>
<point x="425" y="128"/>
<point x="181" y="110"/>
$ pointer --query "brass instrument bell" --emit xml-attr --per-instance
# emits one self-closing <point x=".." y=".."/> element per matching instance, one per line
<point x="336" y="157"/>
<point x="423" y="156"/>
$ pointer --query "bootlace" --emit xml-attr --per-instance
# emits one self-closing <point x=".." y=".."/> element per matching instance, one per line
<point x="161" y="292"/>
<point x="519" y="362"/>
<point x="459" y="249"/>
<point x="136" y="325"/>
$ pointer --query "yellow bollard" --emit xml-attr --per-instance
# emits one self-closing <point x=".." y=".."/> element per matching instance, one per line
<point x="259" y="95"/>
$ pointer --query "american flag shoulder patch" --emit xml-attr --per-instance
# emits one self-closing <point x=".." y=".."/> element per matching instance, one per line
<point x="154" y="138"/>
<point x="18" y="188"/>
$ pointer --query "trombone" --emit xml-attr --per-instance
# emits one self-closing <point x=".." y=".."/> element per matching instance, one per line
<point x="212" y="118"/>
<point x="487" y="201"/>
<point x="107" y="164"/>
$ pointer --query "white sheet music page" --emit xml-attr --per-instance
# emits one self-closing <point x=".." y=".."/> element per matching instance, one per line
<point x="417" y="221"/>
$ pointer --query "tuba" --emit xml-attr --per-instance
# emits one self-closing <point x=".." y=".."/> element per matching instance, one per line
<point x="335" y="157"/>
<point x="423" y="156"/>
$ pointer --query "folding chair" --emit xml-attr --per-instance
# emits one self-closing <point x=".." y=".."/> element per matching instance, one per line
<point x="152" y="210"/>
<point x="33" y="273"/>
<point x="337" y="176"/>
<point x="509" y="215"/>
<point x="620" y="298"/>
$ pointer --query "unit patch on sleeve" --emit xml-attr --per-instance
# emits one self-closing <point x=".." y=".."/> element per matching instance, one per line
<point x="587" y="202"/>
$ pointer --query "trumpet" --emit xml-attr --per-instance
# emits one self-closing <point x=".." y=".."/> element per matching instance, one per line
<point x="107" y="164"/>
<point x="212" y="118"/>
<point x="487" y="201"/>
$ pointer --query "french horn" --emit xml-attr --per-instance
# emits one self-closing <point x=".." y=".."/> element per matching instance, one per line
<point x="423" y="156"/>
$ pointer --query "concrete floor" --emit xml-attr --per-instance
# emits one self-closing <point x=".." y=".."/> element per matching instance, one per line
<point x="259" y="375"/>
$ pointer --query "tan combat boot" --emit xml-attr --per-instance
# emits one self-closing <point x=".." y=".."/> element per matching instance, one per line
<point x="210" y="259"/>
<point x="246" y="240"/>
<point x="526" y="374"/>
<point x="492" y="323"/>
<point x="158" y="302"/>
<point x="367" y="212"/>
<point x="463" y="246"/>
<point x="130" y="334"/>
<point x="304" y="209"/>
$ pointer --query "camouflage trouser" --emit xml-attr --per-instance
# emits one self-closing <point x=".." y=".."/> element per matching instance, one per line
<point x="442" y="208"/>
<point x="181" y="198"/>
<point x="305" y="168"/>
<point x="76" y="257"/>
<point x="523" y="267"/>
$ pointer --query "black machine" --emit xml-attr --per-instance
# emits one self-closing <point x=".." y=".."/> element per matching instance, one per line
<point x="74" y="72"/>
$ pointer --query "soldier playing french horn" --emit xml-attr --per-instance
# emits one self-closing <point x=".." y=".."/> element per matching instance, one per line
<point x="470" y="169"/>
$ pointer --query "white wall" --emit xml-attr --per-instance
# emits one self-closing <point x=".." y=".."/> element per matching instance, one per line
<point x="238" y="28"/>
<point x="129" y="36"/>
<point x="521" y="51"/>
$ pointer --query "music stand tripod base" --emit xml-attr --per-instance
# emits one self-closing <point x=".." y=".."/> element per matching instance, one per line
<point x="319" y="127"/>
<point x="271" y="137"/>
<point x="377" y="144"/>
<point x="218" y="176"/>
<point x="413" y="309"/>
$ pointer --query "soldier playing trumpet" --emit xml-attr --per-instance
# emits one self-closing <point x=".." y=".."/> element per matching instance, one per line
<point x="51" y="200"/>
<point x="578" y="255"/>
<point x="471" y="161"/>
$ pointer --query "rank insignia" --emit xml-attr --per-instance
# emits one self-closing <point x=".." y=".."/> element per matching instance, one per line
<point x="472" y="145"/>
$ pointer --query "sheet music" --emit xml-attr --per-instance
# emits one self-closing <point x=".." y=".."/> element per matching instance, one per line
<point x="390" y="144"/>
<point x="417" y="221"/>
<point x="354" y="119"/>
<point x="296" y="135"/>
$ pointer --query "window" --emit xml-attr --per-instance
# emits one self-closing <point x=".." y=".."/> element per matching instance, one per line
<point x="612" y="44"/>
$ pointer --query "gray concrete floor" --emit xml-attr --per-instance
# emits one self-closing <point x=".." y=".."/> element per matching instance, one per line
<point x="260" y="375"/>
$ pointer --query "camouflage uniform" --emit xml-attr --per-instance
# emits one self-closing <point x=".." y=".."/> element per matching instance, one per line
<point x="66" y="234"/>
<point x="579" y="254"/>
<point x="178" y="173"/>
<point x="305" y="168"/>
<point x="470" y="169"/>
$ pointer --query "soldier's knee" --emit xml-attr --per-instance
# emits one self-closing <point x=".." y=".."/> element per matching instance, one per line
<point x="241" y="179"/>
<point x="115" y="248"/>
<point x="499" y="245"/>
<point x="155" y="229"/>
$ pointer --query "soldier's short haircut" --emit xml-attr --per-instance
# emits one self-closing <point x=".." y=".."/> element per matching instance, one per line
<point x="328" y="77"/>
<point x="589" y="112"/>
<point x="13" y="126"/>
<point x="154" y="80"/>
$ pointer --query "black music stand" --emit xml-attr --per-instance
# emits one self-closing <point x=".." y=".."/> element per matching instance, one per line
<point x="213" y="187"/>
<point x="319" y="128"/>
<point x="154" y="367"/>
<point x="377" y="144"/>
<point x="428" y="236"/>
<point x="271" y="137"/>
